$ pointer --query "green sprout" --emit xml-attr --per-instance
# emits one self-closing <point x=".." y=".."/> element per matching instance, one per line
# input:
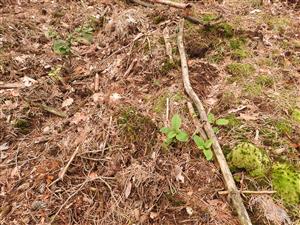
<point x="219" y="122"/>
<point x="174" y="132"/>
<point x="205" y="146"/>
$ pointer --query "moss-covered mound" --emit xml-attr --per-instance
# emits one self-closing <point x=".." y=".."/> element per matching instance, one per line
<point x="246" y="156"/>
<point x="286" y="181"/>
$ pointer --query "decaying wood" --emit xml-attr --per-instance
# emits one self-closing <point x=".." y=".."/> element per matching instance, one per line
<point x="234" y="194"/>
<point x="172" y="4"/>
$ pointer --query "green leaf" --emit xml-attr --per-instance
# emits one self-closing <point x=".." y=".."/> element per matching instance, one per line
<point x="208" y="154"/>
<point x="168" y="141"/>
<point x="211" y="118"/>
<point x="171" y="134"/>
<point x="208" y="144"/>
<point x="182" y="136"/>
<point x="216" y="130"/>
<point x="222" y="122"/>
<point x="176" y="122"/>
<point x="61" y="47"/>
<point x="165" y="130"/>
<point x="199" y="141"/>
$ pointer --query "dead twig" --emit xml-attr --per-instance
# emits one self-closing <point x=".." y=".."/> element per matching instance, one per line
<point x="143" y="3"/>
<point x="248" y="192"/>
<point x="234" y="194"/>
<point x="132" y="64"/>
<point x="168" y="44"/>
<point x="96" y="82"/>
<point x="172" y="4"/>
<point x="10" y="86"/>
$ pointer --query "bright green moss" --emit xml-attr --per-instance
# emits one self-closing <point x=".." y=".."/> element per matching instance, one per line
<point x="296" y="114"/>
<point x="246" y="156"/>
<point x="286" y="181"/>
<point x="240" y="69"/>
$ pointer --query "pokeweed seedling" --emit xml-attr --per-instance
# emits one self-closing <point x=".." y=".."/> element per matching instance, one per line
<point x="219" y="122"/>
<point x="174" y="132"/>
<point x="205" y="146"/>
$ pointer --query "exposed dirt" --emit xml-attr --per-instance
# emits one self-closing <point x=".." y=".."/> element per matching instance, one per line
<point x="94" y="78"/>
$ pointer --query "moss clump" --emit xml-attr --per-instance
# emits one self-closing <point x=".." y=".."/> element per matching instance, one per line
<point x="166" y="67"/>
<point x="240" y="69"/>
<point x="253" y="90"/>
<point x="136" y="128"/>
<point x="283" y="127"/>
<point x="22" y="125"/>
<point x="233" y="120"/>
<point x="296" y="115"/>
<point x="248" y="157"/>
<point x="264" y="80"/>
<point x="286" y="181"/>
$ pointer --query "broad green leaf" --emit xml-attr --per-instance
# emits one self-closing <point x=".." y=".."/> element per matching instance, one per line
<point x="208" y="144"/>
<point x="199" y="141"/>
<point x="208" y="154"/>
<point x="176" y="122"/>
<point x="171" y="134"/>
<point x="165" y="130"/>
<point x="222" y="122"/>
<point x="182" y="136"/>
<point x="216" y="130"/>
<point x="61" y="47"/>
<point x="211" y="118"/>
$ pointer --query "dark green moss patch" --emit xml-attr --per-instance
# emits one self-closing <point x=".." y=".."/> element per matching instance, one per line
<point x="136" y="128"/>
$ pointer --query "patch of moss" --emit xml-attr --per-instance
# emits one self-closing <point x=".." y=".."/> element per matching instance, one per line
<point x="286" y="181"/>
<point x="253" y="89"/>
<point x="264" y="80"/>
<point x="22" y="125"/>
<point x="278" y="24"/>
<point x="136" y="128"/>
<point x="247" y="156"/>
<point x="283" y="127"/>
<point x="167" y="66"/>
<point x="208" y="18"/>
<point x="240" y="69"/>
<point x="233" y="120"/>
<point x="296" y="115"/>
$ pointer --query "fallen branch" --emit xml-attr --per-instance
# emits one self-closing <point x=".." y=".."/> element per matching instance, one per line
<point x="248" y="192"/>
<point x="198" y="125"/>
<point x="172" y="4"/>
<point x="234" y="194"/>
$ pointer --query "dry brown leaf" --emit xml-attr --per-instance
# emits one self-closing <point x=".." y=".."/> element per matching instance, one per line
<point x="128" y="189"/>
<point x="78" y="117"/>
<point x="248" y="117"/>
<point x="67" y="102"/>
<point x="178" y="174"/>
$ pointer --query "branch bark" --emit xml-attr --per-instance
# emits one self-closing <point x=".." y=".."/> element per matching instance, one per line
<point x="234" y="194"/>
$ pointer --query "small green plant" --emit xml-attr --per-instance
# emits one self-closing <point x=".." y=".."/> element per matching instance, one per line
<point x="219" y="122"/>
<point x="62" y="47"/>
<point x="205" y="146"/>
<point x="174" y="132"/>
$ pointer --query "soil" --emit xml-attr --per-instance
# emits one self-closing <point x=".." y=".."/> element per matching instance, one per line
<point x="92" y="85"/>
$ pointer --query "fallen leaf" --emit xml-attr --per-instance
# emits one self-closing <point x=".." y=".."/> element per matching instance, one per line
<point x="27" y="81"/>
<point x="248" y="117"/>
<point x="67" y="102"/>
<point x="128" y="189"/>
<point x="189" y="210"/>
<point x="78" y="117"/>
<point x="153" y="215"/>
<point x="178" y="174"/>
<point x="115" y="97"/>
<point x="4" y="146"/>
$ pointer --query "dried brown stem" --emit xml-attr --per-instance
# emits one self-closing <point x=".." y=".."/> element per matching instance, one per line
<point x="248" y="192"/>
<point x="234" y="194"/>
<point x="172" y="4"/>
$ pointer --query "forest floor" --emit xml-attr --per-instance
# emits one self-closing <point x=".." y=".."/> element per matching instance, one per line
<point x="86" y="86"/>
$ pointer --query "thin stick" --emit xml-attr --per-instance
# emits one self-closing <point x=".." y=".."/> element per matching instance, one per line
<point x="132" y="64"/>
<point x="96" y="82"/>
<point x="168" y="44"/>
<point x="248" y="192"/>
<point x="234" y="194"/>
<point x="199" y="127"/>
<point x="143" y="3"/>
<point x="172" y="4"/>
<point x="167" y="111"/>
<point x="10" y="86"/>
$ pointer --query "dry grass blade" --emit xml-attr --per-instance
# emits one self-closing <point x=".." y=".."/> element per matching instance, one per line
<point x="234" y="194"/>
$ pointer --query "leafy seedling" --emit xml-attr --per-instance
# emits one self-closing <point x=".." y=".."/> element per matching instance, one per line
<point x="219" y="122"/>
<point x="174" y="132"/>
<point x="62" y="47"/>
<point x="205" y="146"/>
